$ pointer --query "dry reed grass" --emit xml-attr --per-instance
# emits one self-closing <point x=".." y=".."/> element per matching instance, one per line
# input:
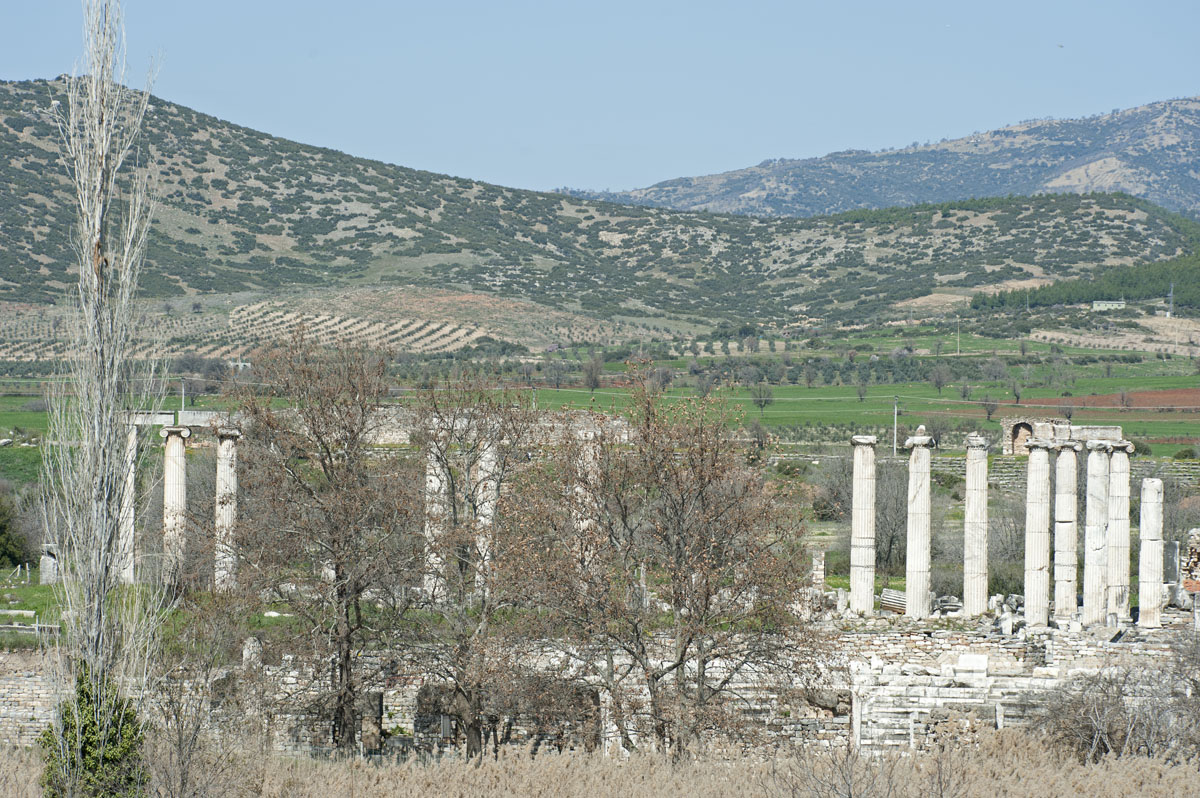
<point x="1005" y="764"/>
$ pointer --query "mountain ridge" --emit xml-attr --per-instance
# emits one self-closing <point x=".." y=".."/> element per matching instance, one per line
<point x="245" y="213"/>
<point x="1150" y="151"/>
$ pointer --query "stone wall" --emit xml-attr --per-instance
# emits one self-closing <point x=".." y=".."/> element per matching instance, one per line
<point x="26" y="697"/>
<point x="893" y="680"/>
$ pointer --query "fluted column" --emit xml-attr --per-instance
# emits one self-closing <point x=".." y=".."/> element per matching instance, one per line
<point x="1066" y="529"/>
<point x="488" y="488"/>
<point x="1095" y="526"/>
<point x="125" y="540"/>
<point x="174" y="502"/>
<point x="436" y="511"/>
<point x="1150" y="555"/>
<point x="225" y="507"/>
<point x="862" y="526"/>
<point x="975" y="527"/>
<point x="1037" y="534"/>
<point x="1118" y="530"/>
<point x="916" y="600"/>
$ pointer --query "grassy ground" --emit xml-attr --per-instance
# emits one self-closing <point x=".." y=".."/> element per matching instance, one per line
<point x="20" y="464"/>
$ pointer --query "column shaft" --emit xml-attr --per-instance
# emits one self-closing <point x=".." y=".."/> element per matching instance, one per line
<point x="125" y="542"/>
<point x="436" y="512"/>
<point x="916" y="601"/>
<point x="1037" y="534"/>
<point x="1095" y="546"/>
<point x="174" y="502"/>
<point x="1066" y="531"/>
<point x="975" y="528"/>
<point x="1118" y="531"/>
<point x="862" y="526"/>
<point x="1150" y="556"/>
<point x="488" y="495"/>
<point x="225" y="510"/>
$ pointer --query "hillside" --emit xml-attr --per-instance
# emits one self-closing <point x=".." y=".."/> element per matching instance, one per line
<point x="246" y="218"/>
<point x="1152" y="151"/>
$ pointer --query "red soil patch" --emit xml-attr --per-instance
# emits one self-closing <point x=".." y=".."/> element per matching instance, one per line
<point x="1182" y="398"/>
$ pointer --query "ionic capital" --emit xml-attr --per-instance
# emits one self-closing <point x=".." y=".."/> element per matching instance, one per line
<point x="182" y="432"/>
<point x="976" y="441"/>
<point x="864" y="440"/>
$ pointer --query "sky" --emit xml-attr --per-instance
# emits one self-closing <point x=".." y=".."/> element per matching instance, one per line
<point x="618" y="95"/>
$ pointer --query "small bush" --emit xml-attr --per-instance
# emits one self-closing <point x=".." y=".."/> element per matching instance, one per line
<point x="1141" y="448"/>
<point x="1185" y="454"/>
<point x="81" y="759"/>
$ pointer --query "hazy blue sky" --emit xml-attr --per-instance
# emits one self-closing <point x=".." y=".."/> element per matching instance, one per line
<point x="618" y="94"/>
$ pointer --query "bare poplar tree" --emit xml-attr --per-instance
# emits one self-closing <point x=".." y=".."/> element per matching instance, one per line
<point x="107" y="632"/>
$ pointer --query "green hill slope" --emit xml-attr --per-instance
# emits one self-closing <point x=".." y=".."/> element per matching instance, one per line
<point x="244" y="211"/>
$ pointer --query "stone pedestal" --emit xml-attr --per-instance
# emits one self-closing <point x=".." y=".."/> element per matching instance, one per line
<point x="1037" y="534"/>
<point x="1095" y="543"/>
<point x="818" y="570"/>
<point x="1066" y="530"/>
<point x="225" y="559"/>
<point x="862" y="526"/>
<point x="916" y="597"/>
<point x="1117" y="582"/>
<point x="174" y="502"/>
<point x="975" y="528"/>
<point x="126" y="535"/>
<point x="1150" y="556"/>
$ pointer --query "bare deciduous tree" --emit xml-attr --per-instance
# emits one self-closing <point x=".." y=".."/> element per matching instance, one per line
<point x="475" y="439"/>
<point x="762" y="396"/>
<point x="990" y="406"/>
<point x="592" y="369"/>
<point x="332" y="524"/>
<point x="665" y="560"/>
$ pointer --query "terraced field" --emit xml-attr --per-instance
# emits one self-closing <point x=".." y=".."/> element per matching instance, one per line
<point x="31" y="333"/>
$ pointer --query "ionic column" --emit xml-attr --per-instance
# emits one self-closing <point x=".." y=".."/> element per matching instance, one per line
<point x="486" y="499"/>
<point x="436" y="511"/>
<point x="174" y="502"/>
<point x="1066" y="530"/>
<point x="862" y="526"/>
<point x="225" y="559"/>
<point x="1118" y="530"/>
<point x="1095" y="526"/>
<point x="975" y="528"/>
<point x="1150" y="556"/>
<point x="916" y="599"/>
<point x="125" y="539"/>
<point x="1037" y="534"/>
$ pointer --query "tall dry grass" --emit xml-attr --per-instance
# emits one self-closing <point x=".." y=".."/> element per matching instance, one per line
<point x="1003" y="764"/>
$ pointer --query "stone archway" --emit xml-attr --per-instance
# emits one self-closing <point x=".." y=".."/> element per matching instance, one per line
<point x="1021" y="433"/>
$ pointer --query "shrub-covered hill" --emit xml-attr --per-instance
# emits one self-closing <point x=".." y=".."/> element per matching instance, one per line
<point x="242" y="210"/>
<point x="1152" y="151"/>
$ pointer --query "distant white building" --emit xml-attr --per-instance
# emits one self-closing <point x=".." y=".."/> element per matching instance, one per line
<point x="1108" y="304"/>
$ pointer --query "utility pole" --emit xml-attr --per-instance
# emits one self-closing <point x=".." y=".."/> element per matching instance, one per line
<point x="958" y="333"/>
<point x="895" y="424"/>
<point x="1171" y="302"/>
